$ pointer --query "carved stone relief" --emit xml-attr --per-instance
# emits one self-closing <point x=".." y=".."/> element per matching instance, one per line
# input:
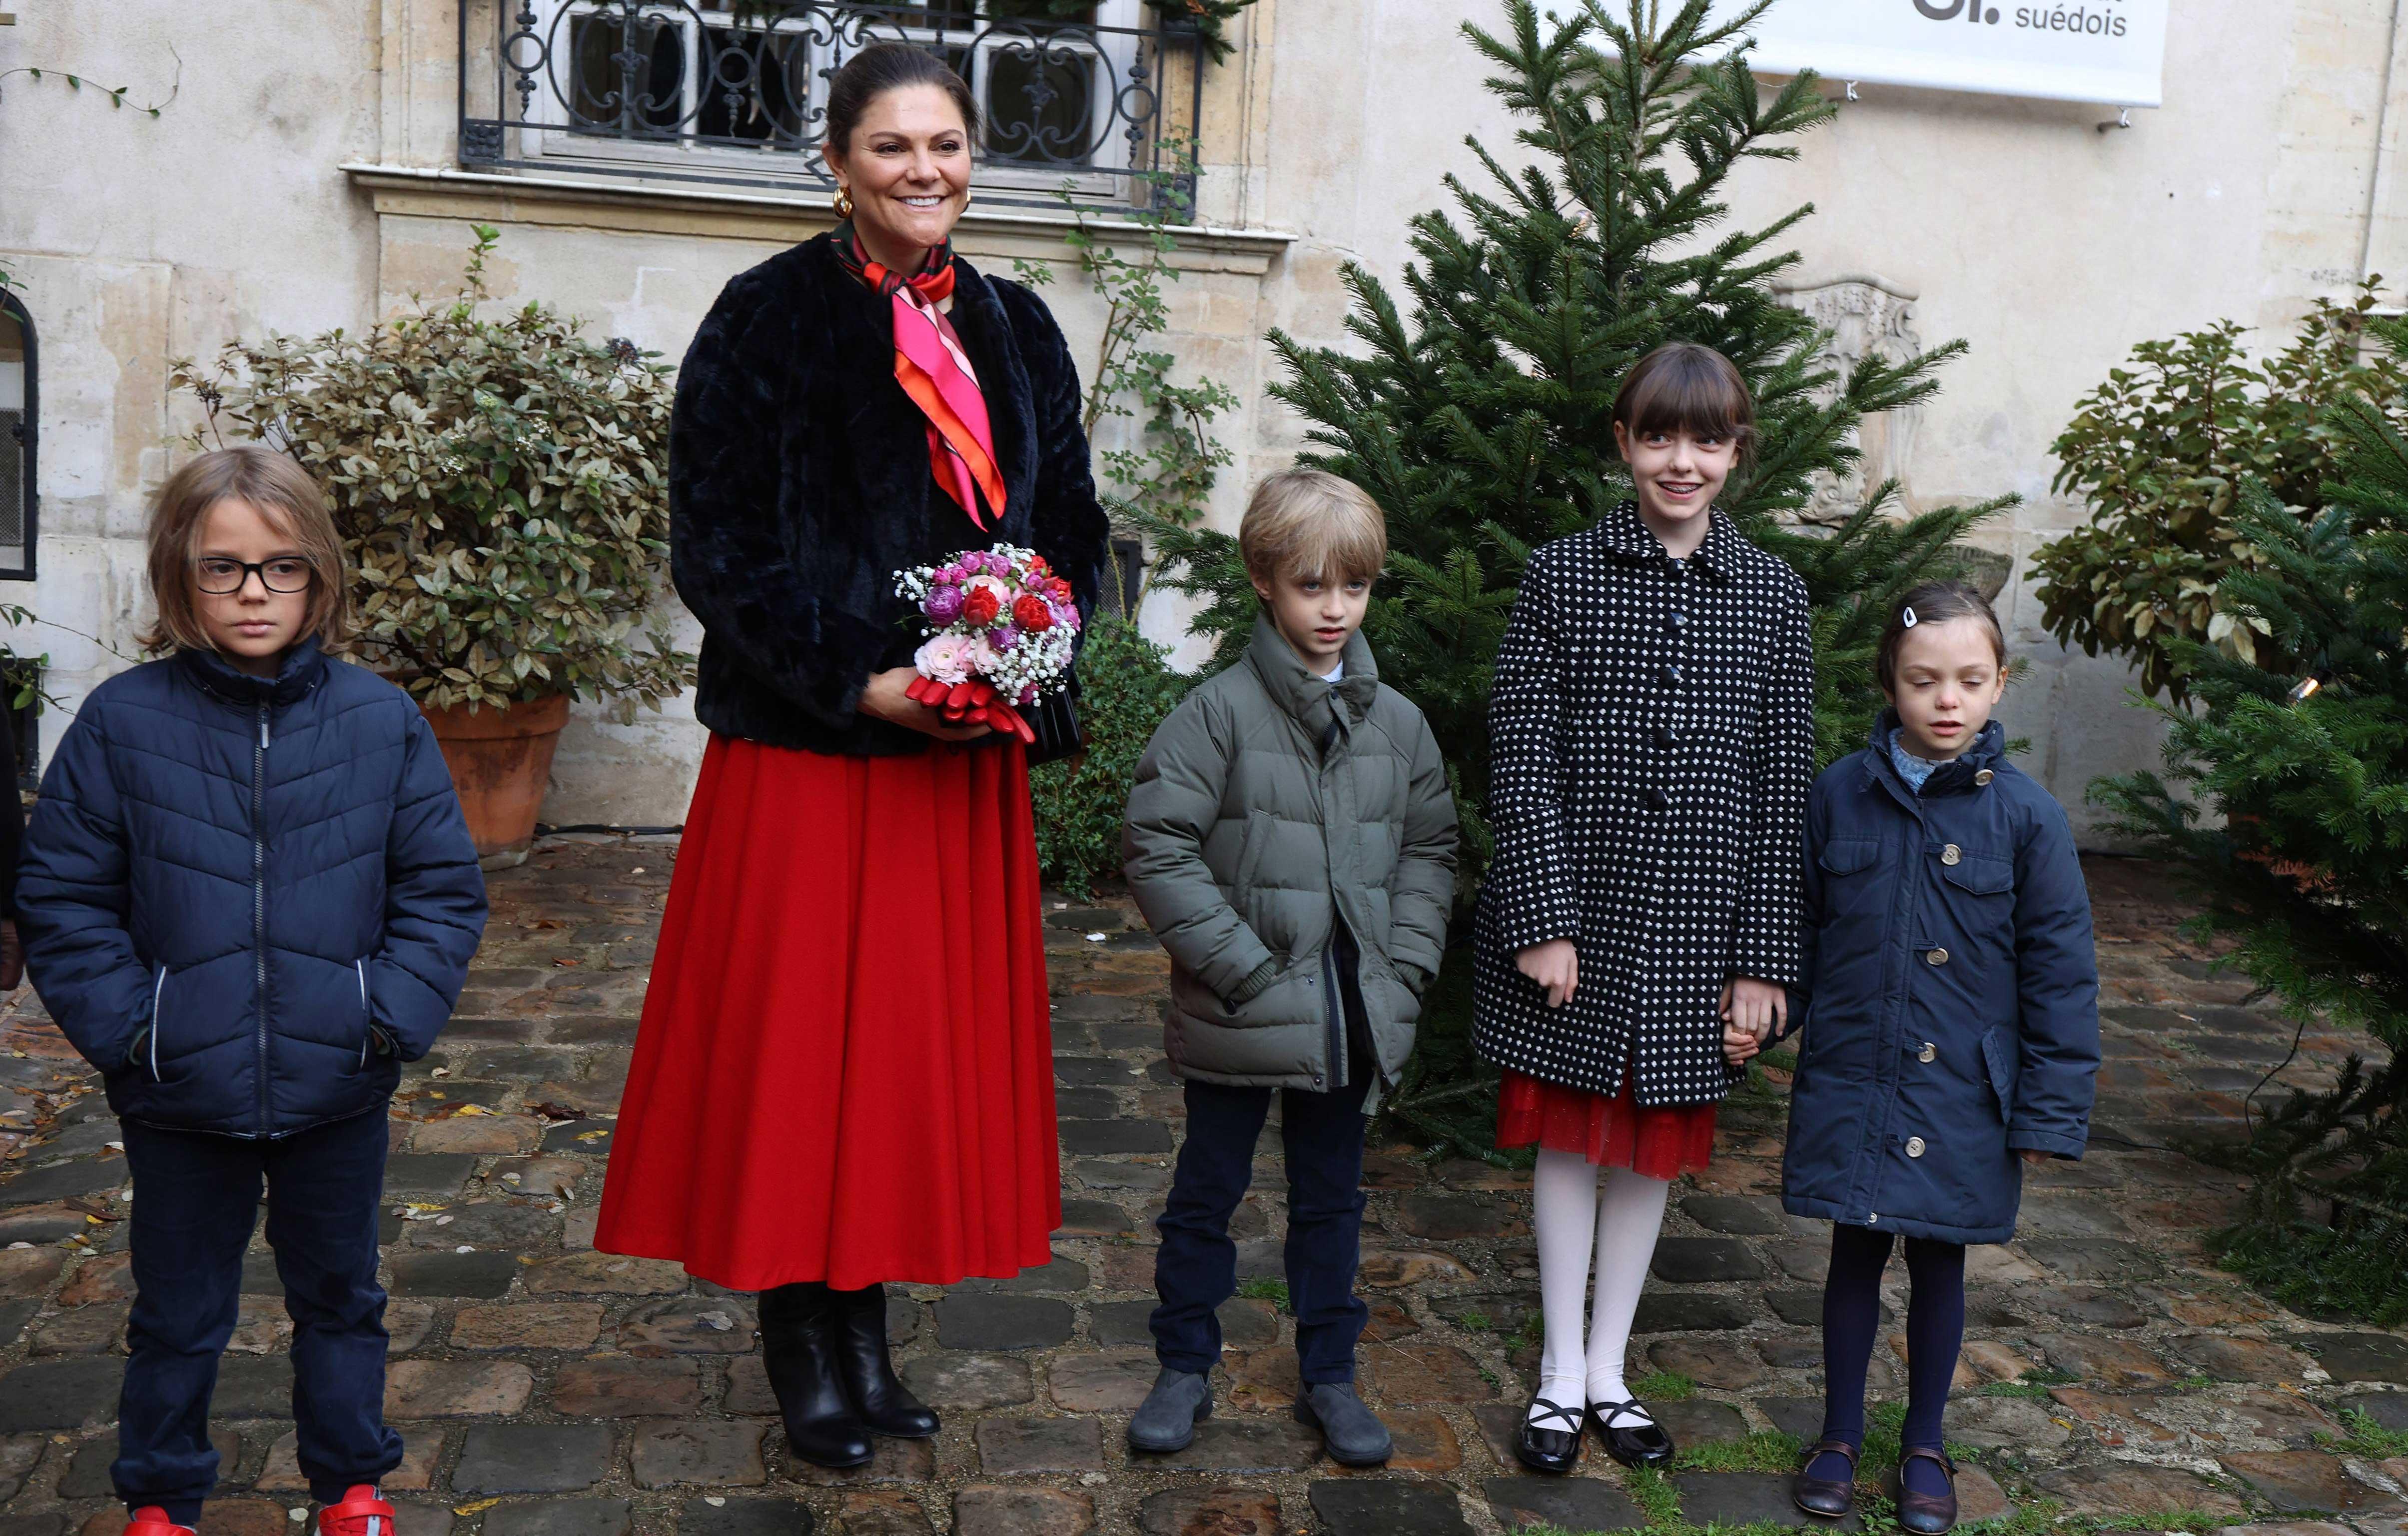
<point x="1861" y="316"/>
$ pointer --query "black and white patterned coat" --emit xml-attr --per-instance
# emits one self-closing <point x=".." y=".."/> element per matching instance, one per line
<point x="1652" y="730"/>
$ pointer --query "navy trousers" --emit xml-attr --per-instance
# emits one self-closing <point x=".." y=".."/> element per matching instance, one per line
<point x="196" y="1201"/>
<point x="1195" y="1269"/>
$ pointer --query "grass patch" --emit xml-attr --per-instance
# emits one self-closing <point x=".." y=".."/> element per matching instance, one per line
<point x="1764" y="1451"/>
<point x="2030" y="1390"/>
<point x="1472" y="1320"/>
<point x="1654" y="1495"/>
<point x="2366" y="1438"/>
<point x="1663" y="1386"/>
<point x="1264" y="1288"/>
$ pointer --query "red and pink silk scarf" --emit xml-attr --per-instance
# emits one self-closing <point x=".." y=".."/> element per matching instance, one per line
<point x="937" y="374"/>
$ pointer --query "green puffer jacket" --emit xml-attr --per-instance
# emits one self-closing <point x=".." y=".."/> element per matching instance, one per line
<point x="1245" y="839"/>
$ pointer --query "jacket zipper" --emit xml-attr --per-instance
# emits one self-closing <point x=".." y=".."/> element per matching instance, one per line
<point x="259" y="898"/>
<point x="366" y="1025"/>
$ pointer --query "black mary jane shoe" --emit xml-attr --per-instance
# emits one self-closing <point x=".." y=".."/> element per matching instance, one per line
<point x="1546" y="1450"/>
<point x="1927" y="1514"/>
<point x="1644" y="1444"/>
<point x="1825" y="1497"/>
<point x="879" y="1396"/>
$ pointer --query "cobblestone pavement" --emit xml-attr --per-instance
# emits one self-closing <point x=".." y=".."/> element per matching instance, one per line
<point x="544" y="1389"/>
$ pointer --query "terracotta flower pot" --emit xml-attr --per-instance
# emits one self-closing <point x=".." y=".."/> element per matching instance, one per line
<point x="500" y="761"/>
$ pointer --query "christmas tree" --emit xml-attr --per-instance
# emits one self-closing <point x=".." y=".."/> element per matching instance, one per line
<point x="2288" y="799"/>
<point x="1478" y="412"/>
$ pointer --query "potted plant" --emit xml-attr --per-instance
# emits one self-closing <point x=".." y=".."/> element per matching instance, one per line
<point x="500" y="484"/>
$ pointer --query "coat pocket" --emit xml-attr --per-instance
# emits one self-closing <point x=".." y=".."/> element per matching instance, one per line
<point x="1259" y="827"/>
<point x="158" y="1023"/>
<point x="367" y="1014"/>
<point x="1980" y="874"/>
<point x="1999" y="1059"/>
<point x="1848" y="856"/>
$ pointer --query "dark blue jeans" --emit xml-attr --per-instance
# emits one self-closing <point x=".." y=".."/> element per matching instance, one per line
<point x="1196" y="1269"/>
<point x="196" y="1201"/>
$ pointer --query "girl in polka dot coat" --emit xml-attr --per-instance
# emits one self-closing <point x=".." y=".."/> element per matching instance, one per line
<point x="1652" y="733"/>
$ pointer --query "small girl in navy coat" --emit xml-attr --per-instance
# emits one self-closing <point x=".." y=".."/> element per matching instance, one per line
<point x="246" y="896"/>
<point x="1954" y="1027"/>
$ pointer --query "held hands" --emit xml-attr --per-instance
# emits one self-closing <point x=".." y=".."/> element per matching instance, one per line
<point x="1750" y="1009"/>
<point x="1555" y="966"/>
<point x="887" y="695"/>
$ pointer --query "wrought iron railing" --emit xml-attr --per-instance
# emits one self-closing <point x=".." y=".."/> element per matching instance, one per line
<point x="735" y="91"/>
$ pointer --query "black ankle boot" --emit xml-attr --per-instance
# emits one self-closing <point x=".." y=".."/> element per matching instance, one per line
<point x="799" y="1326"/>
<point x="883" y="1402"/>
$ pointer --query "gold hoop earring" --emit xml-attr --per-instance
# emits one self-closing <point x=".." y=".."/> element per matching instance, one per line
<point x="843" y="203"/>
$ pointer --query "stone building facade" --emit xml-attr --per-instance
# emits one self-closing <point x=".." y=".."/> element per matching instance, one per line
<point x="310" y="169"/>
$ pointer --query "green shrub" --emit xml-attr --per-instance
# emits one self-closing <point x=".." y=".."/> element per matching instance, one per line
<point x="1127" y="687"/>
<point x="500" y="485"/>
<point x="2158" y="452"/>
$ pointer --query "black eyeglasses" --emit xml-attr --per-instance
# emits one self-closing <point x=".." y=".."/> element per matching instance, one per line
<point x="223" y="578"/>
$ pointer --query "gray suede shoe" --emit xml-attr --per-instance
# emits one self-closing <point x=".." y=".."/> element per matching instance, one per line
<point x="1167" y="1420"/>
<point x="1354" y="1434"/>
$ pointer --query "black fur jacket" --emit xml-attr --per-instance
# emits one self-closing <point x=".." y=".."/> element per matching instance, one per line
<point x="800" y="484"/>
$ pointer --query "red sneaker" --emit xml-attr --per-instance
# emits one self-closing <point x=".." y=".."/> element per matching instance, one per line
<point x="362" y="1513"/>
<point x="151" y="1520"/>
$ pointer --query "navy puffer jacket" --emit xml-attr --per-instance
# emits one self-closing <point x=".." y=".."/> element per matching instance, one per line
<point x="243" y="899"/>
<point x="1954" y="992"/>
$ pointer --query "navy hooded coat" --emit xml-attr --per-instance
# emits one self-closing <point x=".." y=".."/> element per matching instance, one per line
<point x="1954" y="993"/>
<point x="245" y="899"/>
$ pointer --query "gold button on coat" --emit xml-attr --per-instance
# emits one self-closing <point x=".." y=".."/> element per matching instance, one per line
<point x="1928" y="1053"/>
<point x="1984" y="778"/>
<point x="1915" y="1146"/>
<point x="1951" y="855"/>
<point x="1938" y="957"/>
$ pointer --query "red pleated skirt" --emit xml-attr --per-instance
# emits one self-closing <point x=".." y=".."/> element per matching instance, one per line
<point x="1617" y="1132"/>
<point x="845" y="1068"/>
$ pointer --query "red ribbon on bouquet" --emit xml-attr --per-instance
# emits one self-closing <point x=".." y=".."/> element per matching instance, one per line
<point x="972" y="703"/>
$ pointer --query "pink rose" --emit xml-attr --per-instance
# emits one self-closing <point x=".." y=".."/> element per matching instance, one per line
<point x="945" y="658"/>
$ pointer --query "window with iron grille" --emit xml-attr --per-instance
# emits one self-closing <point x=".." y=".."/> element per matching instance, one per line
<point x="20" y="396"/>
<point x="736" y="90"/>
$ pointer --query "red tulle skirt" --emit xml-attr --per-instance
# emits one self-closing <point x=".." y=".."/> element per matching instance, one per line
<point x="845" y="1070"/>
<point x="1661" y="1143"/>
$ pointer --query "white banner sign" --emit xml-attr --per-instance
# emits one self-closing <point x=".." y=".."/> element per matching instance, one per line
<point x="2110" y="51"/>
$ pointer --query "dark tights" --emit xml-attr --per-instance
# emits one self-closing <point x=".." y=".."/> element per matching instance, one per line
<point x="1935" y="1329"/>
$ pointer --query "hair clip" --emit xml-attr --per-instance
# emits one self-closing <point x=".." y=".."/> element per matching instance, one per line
<point x="1910" y="620"/>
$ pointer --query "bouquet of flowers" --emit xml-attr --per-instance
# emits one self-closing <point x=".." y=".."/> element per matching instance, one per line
<point x="1001" y="627"/>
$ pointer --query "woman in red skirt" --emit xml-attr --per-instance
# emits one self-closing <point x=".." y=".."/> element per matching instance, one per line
<point x="844" y="1075"/>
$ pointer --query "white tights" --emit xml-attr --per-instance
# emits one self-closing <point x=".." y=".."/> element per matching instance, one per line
<point x="1616" y="1217"/>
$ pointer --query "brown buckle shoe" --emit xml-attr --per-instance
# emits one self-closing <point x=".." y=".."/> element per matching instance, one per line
<point x="1925" y="1513"/>
<point x="1826" y="1498"/>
